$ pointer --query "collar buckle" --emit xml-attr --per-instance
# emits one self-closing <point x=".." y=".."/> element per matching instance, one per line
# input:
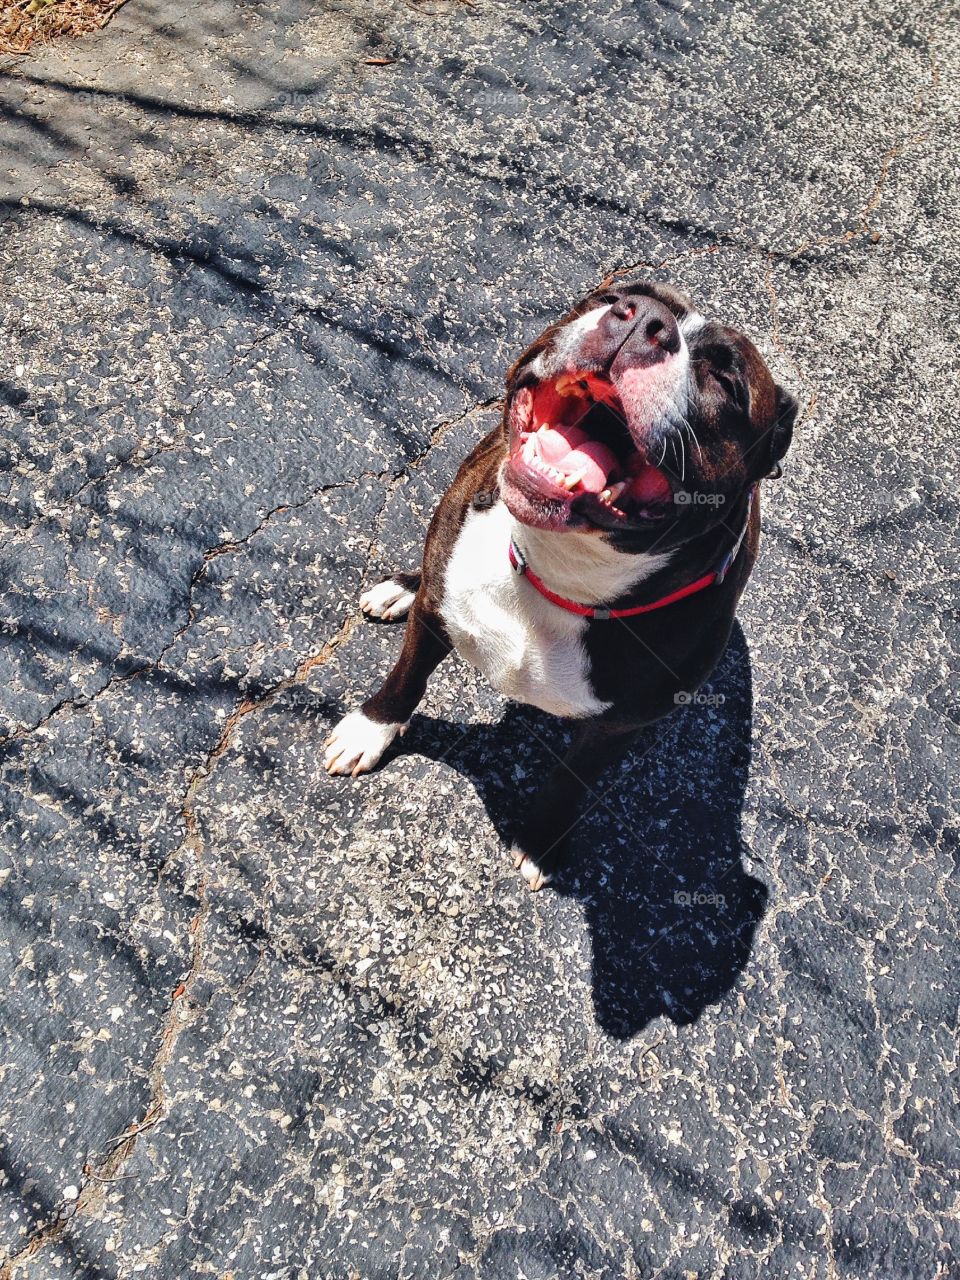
<point x="517" y="559"/>
<point x="734" y="551"/>
<point x="727" y="562"/>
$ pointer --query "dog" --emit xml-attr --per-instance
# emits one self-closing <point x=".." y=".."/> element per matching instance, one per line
<point x="590" y="554"/>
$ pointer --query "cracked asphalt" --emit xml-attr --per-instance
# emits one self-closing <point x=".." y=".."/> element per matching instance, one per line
<point x="258" y="293"/>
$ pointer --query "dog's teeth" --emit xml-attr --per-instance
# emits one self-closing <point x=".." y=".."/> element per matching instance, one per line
<point x="572" y="384"/>
<point x="571" y="482"/>
<point x="610" y="495"/>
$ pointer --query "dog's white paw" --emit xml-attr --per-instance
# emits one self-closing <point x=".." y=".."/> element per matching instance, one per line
<point x="356" y="744"/>
<point x="389" y="600"/>
<point x="531" y="873"/>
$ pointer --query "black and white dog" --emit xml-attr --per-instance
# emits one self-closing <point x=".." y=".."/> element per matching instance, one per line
<point x="589" y="556"/>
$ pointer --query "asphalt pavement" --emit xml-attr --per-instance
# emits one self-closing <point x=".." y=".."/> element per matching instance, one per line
<point x="262" y="268"/>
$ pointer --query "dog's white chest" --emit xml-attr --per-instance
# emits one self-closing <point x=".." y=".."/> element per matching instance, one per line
<point x="528" y="648"/>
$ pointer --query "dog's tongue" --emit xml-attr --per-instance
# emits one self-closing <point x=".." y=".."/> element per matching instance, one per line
<point x="572" y="451"/>
<point x="646" y="483"/>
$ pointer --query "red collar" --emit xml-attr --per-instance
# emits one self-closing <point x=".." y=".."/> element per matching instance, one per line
<point x="601" y="614"/>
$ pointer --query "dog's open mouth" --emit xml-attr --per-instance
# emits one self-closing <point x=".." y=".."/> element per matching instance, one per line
<point x="570" y="441"/>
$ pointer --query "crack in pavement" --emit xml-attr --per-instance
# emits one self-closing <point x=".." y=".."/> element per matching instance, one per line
<point x="392" y="476"/>
<point x="97" y="1175"/>
<point x="510" y="994"/>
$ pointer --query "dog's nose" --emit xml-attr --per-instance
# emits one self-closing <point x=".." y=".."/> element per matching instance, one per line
<point x="634" y="327"/>
<point x="654" y="323"/>
<point x="646" y="324"/>
<point x="653" y="333"/>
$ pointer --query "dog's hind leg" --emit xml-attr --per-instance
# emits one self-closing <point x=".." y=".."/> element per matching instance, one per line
<point x="361" y="737"/>
<point x="540" y="848"/>
<point x="391" y="599"/>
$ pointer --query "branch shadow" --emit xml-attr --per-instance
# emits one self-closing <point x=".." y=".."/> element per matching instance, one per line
<point x="657" y="859"/>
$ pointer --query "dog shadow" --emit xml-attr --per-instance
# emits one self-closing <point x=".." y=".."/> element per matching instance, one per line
<point x="657" y="858"/>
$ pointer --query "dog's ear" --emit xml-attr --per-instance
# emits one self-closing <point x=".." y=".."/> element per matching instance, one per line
<point x="781" y="433"/>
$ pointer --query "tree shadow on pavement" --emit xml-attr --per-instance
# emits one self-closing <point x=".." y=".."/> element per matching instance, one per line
<point x="657" y="860"/>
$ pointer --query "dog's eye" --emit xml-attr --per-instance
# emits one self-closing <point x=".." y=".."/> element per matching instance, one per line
<point x="727" y="383"/>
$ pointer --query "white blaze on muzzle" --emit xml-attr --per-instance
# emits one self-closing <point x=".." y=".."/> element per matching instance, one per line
<point x="653" y="396"/>
<point x="561" y="356"/>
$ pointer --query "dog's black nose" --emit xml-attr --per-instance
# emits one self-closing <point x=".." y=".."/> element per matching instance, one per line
<point x="656" y="324"/>
<point x="649" y="332"/>
<point x="634" y="327"/>
<point x="649" y="323"/>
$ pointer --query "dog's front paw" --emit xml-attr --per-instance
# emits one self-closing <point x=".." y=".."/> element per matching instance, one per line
<point x="535" y="876"/>
<point x="390" y="600"/>
<point x="357" y="743"/>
